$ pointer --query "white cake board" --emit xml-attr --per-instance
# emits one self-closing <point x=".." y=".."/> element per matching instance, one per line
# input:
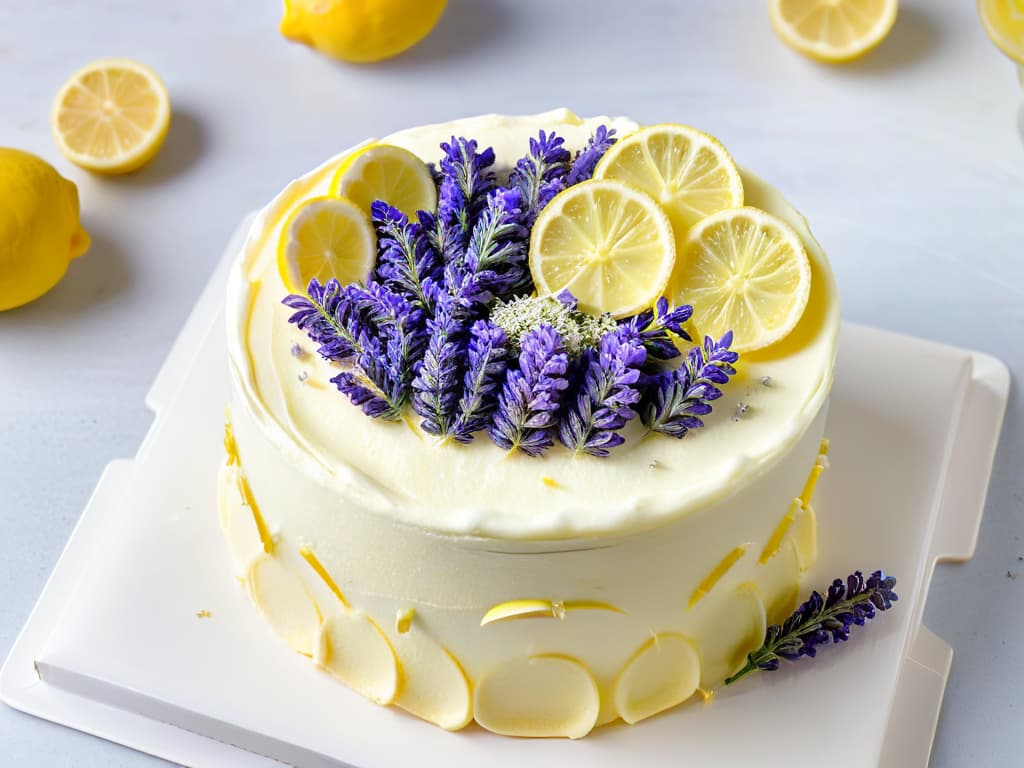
<point x="115" y="647"/>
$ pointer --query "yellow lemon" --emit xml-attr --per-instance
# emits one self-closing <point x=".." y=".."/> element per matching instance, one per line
<point x="326" y="237"/>
<point x="1004" y="22"/>
<point x="744" y="271"/>
<point x="832" y="30"/>
<point x="610" y="245"/>
<point x="39" y="227"/>
<point x="388" y="173"/>
<point x="111" y="116"/>
<point x="360" y="30"/>
<point x="686" y="170"/>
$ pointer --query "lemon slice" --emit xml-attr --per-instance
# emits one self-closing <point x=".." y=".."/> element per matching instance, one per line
<point x="610" y="245"/>
<point x="323" y="238"/>
<point x="832" y="30"/>
<point x="111" y="116"/>
<point x="686" y="170"/>
<point x="746" y="271"/>
<point x="388" y="173"/>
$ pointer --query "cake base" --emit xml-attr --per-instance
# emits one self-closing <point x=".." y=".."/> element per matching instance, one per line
<point x="124" y="653"/>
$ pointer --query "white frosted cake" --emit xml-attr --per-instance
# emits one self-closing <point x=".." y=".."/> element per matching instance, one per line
<point x="537" y="595"/>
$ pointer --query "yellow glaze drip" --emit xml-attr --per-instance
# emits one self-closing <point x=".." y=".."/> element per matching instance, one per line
<point x="403" y="620"/>
<point x="775" y="540"/>
<point x="316" y="565"/>
<point x="823" y="448"/>
<point x="533" y="608"/>
<point x="230" y="446"/>
<point x="261" y="525"/>
<point x="812" y="481"/>
<point x="550" y="482"/>
<point x="716" y="573"/>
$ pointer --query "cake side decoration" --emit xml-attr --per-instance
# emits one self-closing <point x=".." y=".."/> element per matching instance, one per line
<point x="445" y="322"/>
<point x="822" y="619"/>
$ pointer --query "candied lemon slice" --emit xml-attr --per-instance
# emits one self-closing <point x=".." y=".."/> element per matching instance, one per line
<point x="388" y="173"/>
<point x="610" y="245"/>
<point x="111" y="116"/>
<point x="323" y="238"/>
<point x="832" y="30"/>
<point x="746" y="271"/>
<point x="686" y="170"/>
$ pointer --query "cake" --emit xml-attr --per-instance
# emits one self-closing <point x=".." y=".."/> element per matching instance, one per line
<point x="540" y="595"/>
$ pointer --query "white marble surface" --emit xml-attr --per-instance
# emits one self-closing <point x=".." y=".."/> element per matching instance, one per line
<point x="909" y="166"/>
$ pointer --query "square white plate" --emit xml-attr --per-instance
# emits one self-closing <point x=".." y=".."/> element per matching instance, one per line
<point x="115" y="645"/>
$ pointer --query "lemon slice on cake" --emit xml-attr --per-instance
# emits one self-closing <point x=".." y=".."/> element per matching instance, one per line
<point x="111" y="116"/>
<point x="746" y="271"/>
<point x="832" y="30"/>
<point x="388" y="173"/>
<point x="686" y="170"/>
<point x="324" y="238"/>
<point x="610" y="245"/>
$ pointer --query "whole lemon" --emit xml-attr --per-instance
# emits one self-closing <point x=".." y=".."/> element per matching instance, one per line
<point x="39" y="227"/>
<point x="360" y="30"/>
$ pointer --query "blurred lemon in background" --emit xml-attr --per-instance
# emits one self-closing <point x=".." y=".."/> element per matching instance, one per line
<point x="39" y="227"/>
<point x="832" y="30"/>
<point x="111" y="116"/>
<point x="1004" y="22"/>
<point x="360" y="30"/>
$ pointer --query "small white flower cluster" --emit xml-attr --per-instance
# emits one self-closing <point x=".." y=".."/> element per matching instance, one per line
<point x="578" y="330"/>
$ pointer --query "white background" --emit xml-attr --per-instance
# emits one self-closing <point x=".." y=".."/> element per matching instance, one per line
<point x="909" y="166"/>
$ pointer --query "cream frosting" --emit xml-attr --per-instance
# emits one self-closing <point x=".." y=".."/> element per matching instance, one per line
<point x="540" y="597"/>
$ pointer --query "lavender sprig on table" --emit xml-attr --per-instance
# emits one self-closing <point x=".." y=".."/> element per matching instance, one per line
<point x="604" y="403"/>
<point x="821" y="620"/>
<point x="678" y="398"/>
<point x="528" y="405"/>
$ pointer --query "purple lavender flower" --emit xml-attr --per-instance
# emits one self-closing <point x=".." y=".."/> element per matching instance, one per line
<point x="541" y="174"/>
<point x="406" y="260"/>
<point x="328" y="318"/>
<point x="586" y="159"/>
<point x="678" y="398"/>
<point x="436" y="386"/>
<point x="609" y="389"/>
<point x="495" y="263"/>
<point x="655" y="325"/>
<point x="466" y="180"/>
<point x="822" y="620"/>
<point x="528" y="404"/>
<point x="485" y="370"/>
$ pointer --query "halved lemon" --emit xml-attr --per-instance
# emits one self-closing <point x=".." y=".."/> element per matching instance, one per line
<point x="326" y="237"/>
<point x="1004" y="22"/>
<point x="832" y="30"/>
<point x="111" y="116"/>
<point x="746" y="271"/>
<point x="388" y="173"/>
<point x="609" y="244"/>
<point x="686" y="170"/>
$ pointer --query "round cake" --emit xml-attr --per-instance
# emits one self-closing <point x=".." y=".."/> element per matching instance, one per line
<point x="539" y="595"/>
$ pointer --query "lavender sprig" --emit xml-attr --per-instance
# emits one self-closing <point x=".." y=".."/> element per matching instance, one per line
<point x="486" y="354"/>
<point x="495" y="262"/>
<point x="436" y="385"/>
<point x="466" y="180"/>
<point x="586" y="159"/>
<point x="327" y="318"/>
<point x="681" y="396"/>
<point x="406" y="260"/>
<point x="822" y="619"/>
<point x="655" y="325"/>
<point x="608" y="391"/>
<point x="527" y="410"/>
<point x="541" y="174"/>
<point x="378" y="382"/>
